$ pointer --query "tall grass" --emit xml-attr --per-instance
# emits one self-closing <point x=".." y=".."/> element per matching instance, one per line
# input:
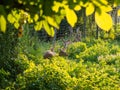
<point x="31" y="45"/>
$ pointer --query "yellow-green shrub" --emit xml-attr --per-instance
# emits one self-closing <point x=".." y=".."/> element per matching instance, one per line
<point x="76" y="48"/>
<point x="48" y="75"/>
<point x="93" y="52"/>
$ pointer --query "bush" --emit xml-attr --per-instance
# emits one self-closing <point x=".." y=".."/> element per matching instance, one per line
<point x="92" y="53"/>
<point x="110" y="59"/>
<point x="49" y="75"/>
<point x="114" y="49"/>
<point x="61" y="74"/>
<point x="8" y="49"/>
<point x="98" y="68"/>
<point x="96" y="76"/>
<point x="76" y="48"/>
<point x="21" y="63"/>
<point x="92" y="41"/>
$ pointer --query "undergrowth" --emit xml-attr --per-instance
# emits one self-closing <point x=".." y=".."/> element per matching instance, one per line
<point x="90" y="65"/>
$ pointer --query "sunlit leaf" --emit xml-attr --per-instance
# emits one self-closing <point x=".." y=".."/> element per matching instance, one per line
<point x="58" y="19"/>
<point x="118" y="12"/>
<point x="100" y="3"/>
<point x="10" y="18"/>
<point x="96" y="3"/>
<point x="56" y="6"/>
<point x="2" y="23"/>
<point x="77" y="7"/>
<point x="103" y="20"/>
<point x="38" y="25"/>
<point x="48" y="29"/>
<point x="16" y="24"/>
<point x="105" y="2"/>
<point x="52" y="31"/>
<point x="112" y="36"/>
<point x="41" y="12"/>
<point x="83" y="4"/>
<point x="89" y="9"/>
<point x="16" y="15"/>
<point x="115" y="4"/>
<point x="71" y="17"/>
<point x="30" y="20"/>
<point x="52" y="22"/>
<point x="36" y="17"/>
<point x="106" y="8"/>
<point x="62" y="12"/>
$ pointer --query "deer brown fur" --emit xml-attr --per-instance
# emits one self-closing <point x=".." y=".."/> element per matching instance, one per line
<point x="63" y="53"/>
<point x="49" y="54"/>
<point x="63" y="50"/>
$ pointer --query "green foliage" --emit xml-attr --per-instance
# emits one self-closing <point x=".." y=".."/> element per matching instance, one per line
<point x="21" y="63"/>
<point x="4" y="78"/>
<point x="114" y="49"/>
<point x="30" y="45"/>
<point x="96" y="76"/>
<point x="92" y="41"/>
<point x="61" y="74"/>
<point x="111" y="59"/>
<point x="48" y="75"/>
<point x="75" y="49"/>
<point x="97" y="66"/>
<point x="94" y="51"/>
<point x="8" y="49"/>
<point x="117" y="34"/>
<point x="37" y="12"/>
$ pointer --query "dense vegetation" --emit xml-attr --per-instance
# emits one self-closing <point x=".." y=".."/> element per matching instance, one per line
<point x="90" y="65"/>
<point x="91" y="59"/>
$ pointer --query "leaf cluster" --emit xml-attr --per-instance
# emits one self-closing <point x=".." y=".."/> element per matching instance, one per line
<point x="48" y="14"/>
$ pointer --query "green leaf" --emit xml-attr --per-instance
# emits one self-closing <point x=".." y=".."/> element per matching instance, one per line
<point x="52" y="22"/>
<point x="10" y="18"/>
<point x="30" y="20"/>
<point x="38" y="25"/>
<point x="2" y="23"/>
<point x="16" y="24"/>
<point x="58" y="18"/>
<point x="71" y="17"/>
<point x="90" y="9"/>
<point x="106" y="8"/>
<point x="49" y="30"/>
<point x="36" y="17"/>
<point x="103" y="20"/>
<point x="56" y="6"/>
<point x="77" y="7"/>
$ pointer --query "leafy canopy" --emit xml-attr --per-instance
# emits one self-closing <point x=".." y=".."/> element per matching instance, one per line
<point x="48" y="14"/>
